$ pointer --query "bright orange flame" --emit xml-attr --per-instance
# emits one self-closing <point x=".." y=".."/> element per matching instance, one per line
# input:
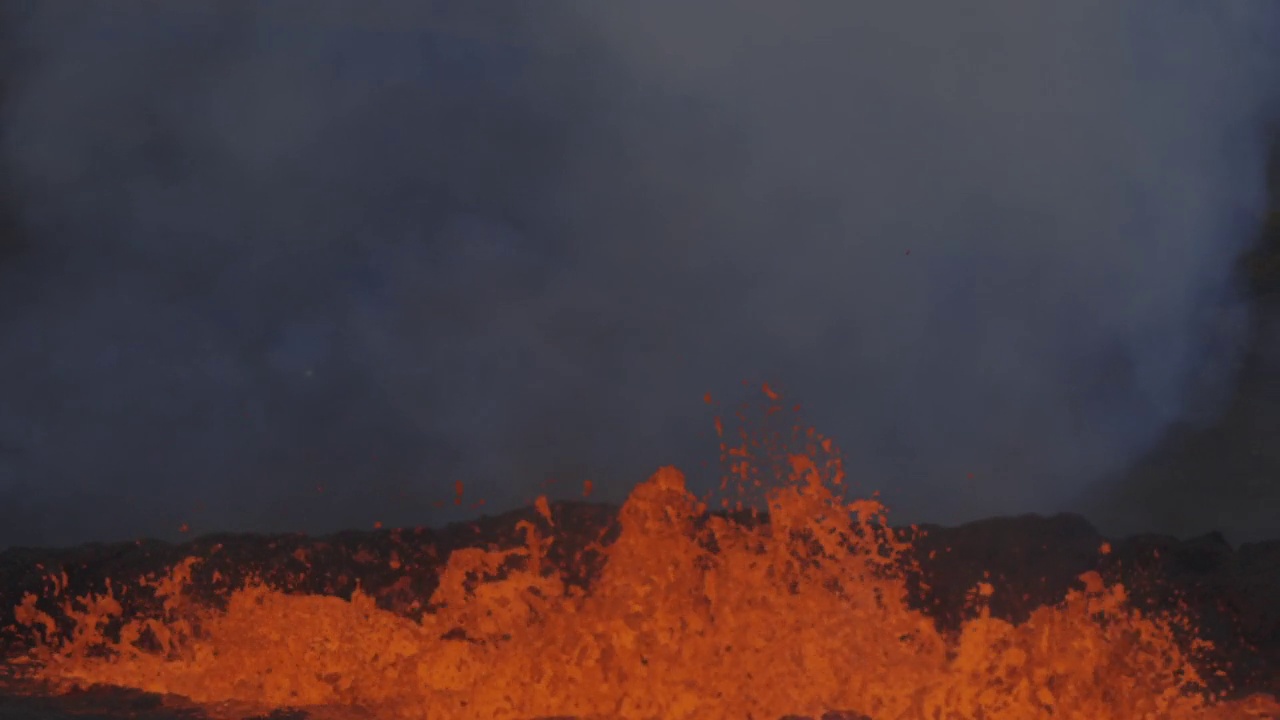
<point x="694" y="615"/>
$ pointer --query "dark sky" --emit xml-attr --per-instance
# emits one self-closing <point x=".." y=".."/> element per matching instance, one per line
<point x="263" y="247"/>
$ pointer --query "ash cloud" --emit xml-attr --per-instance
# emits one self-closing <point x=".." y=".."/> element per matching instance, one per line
<point x="267" y="248"/>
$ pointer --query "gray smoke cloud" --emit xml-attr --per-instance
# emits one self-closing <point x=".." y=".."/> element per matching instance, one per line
<point x="379" y="247"/>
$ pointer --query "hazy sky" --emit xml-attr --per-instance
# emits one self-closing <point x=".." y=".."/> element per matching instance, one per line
<point x="274" y="246"/>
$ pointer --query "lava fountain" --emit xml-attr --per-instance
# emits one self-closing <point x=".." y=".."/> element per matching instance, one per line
<point x="693" y="614"/>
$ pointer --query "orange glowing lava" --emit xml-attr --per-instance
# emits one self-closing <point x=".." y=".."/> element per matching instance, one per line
<point x="693" y="616"/>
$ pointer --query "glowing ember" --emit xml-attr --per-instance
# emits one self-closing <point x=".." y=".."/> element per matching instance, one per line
<point x="692" y="616"/>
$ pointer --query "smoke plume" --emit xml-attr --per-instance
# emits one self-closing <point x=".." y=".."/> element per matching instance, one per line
<point x="301" y="266"/>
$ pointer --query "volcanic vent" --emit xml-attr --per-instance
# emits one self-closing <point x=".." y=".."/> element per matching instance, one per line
<point x="672" y="611"/>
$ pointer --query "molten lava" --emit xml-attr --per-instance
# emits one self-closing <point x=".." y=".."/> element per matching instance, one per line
<point x="693" y="615"/>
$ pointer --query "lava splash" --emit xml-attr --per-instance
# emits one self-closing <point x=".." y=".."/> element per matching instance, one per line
<point x="692" y="615"/>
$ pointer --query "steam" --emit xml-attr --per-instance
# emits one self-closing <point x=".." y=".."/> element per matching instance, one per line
<point x="989" y="246"/>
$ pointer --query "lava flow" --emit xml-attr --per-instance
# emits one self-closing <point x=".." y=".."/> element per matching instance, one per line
<point x="693" y="614"/>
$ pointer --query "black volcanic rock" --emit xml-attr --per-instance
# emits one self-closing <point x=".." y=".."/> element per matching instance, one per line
<point x="1031" y="561"/>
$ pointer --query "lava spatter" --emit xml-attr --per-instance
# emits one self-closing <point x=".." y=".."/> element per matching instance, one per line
<point x="693" y="615"/>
